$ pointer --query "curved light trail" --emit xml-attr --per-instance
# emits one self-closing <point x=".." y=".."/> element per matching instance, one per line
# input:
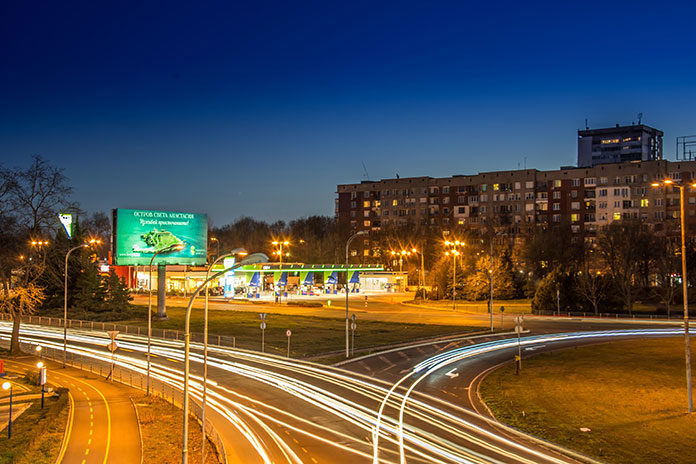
<point x="354" y="405"/>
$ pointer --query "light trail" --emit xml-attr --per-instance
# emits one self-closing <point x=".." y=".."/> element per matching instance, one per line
<point x="351" y="398"/>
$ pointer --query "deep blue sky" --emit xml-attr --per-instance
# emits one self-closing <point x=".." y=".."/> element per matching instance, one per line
<point x="261" y="108"/>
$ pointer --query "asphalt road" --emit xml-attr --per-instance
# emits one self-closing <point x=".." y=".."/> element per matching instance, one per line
<point x="270" y="409"/>
<point x="103" y="427"/>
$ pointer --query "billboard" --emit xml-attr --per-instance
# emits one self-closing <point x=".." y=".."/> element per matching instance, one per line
<point x="139" y="234"/>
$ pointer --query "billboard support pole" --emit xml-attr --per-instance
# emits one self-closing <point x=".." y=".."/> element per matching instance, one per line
<point x="162" y="291"/>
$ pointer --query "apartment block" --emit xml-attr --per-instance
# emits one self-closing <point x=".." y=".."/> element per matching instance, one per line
<point x="518" y="201"/>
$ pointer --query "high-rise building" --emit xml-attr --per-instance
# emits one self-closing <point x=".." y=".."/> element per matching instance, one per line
<point x="618" y="145"/>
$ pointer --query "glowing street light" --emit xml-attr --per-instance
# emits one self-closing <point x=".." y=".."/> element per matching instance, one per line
<point x="685" y="286"/>
<point x="251" y="259"/>
<point x="8" y="386"/>
<point x="454" y="252"/>
<point x="350" y="239"/>
<point x="236" y="251"/>
<point x="91" y="242"/>
<point x="279" y="251"/>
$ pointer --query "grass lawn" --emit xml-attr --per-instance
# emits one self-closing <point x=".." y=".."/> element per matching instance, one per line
<point x="522" y="306"/>
<point x="160" y="425"/>
<point x="38" y="433"/>
<point x="310" y="335"/>
<point x="631" y="394"/>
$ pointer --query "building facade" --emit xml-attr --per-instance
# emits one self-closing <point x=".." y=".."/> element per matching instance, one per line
<point x="584" y="199"/>
<point x="619" y="144"/>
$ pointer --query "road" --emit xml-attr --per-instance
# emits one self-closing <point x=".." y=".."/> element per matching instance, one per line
<point x="270" y="409"/>
<point x="103" y="427"/>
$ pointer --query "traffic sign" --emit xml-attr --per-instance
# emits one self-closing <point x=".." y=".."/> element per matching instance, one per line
<point x="353" y="326"/>
<point x="288" y="332"/>
<point x="263" y="325"/>
<point x="518" y="329"/>
<point x="352" y="318"/>
<point x="262" y="316"/>
<point x="502" y="309"/>
<point x="113" y="346"/>
<point x="112" y="333"/>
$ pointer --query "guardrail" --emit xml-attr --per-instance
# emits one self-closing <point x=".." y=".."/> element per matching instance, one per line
<point x="128" y="377"/>
<point x="678" y="315"/>
<point x="229" y="341"/>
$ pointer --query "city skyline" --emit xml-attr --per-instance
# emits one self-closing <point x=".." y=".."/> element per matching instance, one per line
<point x="262" y="112"/>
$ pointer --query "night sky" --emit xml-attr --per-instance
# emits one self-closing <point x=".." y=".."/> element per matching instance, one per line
<point x="261" y="108"/>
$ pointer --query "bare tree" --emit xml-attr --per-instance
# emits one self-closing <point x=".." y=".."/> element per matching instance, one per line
<point x="622" y="245"/>
<point x="666" y="266"/>
<point x="36" y="194"/>
<point x="29" y="201"/>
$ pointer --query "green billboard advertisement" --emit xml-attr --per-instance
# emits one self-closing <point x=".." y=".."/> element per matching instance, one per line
<point x="178" y="238"/>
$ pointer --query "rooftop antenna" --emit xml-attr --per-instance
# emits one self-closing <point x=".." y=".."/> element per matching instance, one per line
<point x="367" y="176"/>
<point x="640" y="118"/>
<point x="587" y="127"/>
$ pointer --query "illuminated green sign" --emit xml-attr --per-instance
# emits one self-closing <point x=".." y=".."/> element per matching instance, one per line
<point x="177" y="238"/>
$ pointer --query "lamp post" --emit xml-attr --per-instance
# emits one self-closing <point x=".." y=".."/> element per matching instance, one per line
<point x="42" y="379"/>
<point x="421" y="276"/>
<point x="217" y="242"/>
<point x="240" y="251"/>
<point x="8" y="386"/>
<point x="350" y="239"/>
<point x="252" y="259"/>
<point x="685" y="285"/>
<point x="174" y="247"/>
<point x="65" y="296"/>
<point x="279" y="252"/>
<point x="454" y="252"/>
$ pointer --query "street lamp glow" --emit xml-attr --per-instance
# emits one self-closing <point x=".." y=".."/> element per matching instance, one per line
<point x="6" y="385"/>
<point x="38" y="348"/>
<point x="40" y="364"/>
<point x="685" y="285"/>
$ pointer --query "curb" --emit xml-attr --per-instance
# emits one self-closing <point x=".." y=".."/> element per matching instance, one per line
<point x="140" y="432"/>
<point x="68" y="429"/>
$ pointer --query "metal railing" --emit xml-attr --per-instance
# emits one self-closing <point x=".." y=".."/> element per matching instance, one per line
<point x="128" y="377"/>
<point x="229" y="341"/>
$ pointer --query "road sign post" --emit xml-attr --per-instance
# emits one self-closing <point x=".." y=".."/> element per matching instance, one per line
<point x="518" y="328"/>
<point x="353" y="326"/>
<point x="113" y="346"/>
<point x="263" y="331"/>
<point x="288" y="333"/>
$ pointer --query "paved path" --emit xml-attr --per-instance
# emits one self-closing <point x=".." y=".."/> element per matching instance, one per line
<point x="103" y="427"/>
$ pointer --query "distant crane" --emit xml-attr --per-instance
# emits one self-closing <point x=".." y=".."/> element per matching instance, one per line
<point x="640" y="118"/>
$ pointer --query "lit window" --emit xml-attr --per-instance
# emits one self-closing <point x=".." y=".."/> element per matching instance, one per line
<point x="366" y="204"/>
<point x="366" y="223"/>
<point x="574" y="217"/>
<point x="395" y="202"/>
<point x="644" y="203"/>
<point x="608" y="141"/>
<point x="557" y="183"/>
<point x="617" y="216"/>
<point x="496" y="186"/>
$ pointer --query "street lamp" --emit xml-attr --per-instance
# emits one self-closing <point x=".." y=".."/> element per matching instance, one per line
<point x="42" y="379"/>
<point x="685" y="285"/>
<point x="350" y="239"/>
<point x="8" y="386"/>
<point x="454" y="252"/>
<point x="279" y="251"/>
<point x="239" y="251"/>
<point x="174" y="247"/>
<point x="421" y="277"/>
<point x="217" y="242"/>
<point x="65" y="296"/>
<point x="251" y="259"/>
<point x="38" y="349"/>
